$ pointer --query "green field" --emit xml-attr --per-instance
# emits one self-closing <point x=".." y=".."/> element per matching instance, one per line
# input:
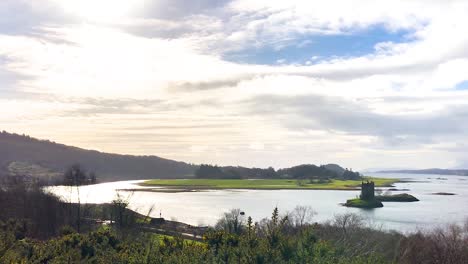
<point x="267" y="184"/>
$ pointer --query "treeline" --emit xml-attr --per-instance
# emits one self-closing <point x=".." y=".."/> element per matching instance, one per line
<point x="41" y="215"/>
<point x="306" y="171"/>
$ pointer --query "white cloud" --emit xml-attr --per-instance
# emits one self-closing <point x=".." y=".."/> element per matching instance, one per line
<point x="154" y="69"/>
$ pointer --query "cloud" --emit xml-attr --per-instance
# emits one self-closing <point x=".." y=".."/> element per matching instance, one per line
<point x="196" y="86"/>
<point x="336" y="114"/>
<point x="165" y="67"/>
<point x="25" y="17"/>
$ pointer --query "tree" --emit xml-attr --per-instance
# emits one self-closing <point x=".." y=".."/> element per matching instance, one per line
<point x="92" y="178"/>
<point x="120" y="215"/>
<point x="301" y="216"/>
<point x="348" y="222"/>
<point x="232" y="222"/>
<point x="76" y="176"/>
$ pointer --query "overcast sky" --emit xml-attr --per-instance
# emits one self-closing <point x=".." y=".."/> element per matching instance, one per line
<point x="262" y="83"/>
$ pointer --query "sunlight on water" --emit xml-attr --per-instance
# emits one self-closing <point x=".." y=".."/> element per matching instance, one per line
<point x="204" y="208"/>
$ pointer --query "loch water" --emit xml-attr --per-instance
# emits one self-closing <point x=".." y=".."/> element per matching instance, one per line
<point x="205" y="207"/>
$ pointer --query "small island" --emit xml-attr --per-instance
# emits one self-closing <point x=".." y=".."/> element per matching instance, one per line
<point x="367" y="198"/>
<point x="360" y="203"/>
<point x="403" y="197"/>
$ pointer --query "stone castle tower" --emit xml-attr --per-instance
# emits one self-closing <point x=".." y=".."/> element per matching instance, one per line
<point x="367" y="190"/>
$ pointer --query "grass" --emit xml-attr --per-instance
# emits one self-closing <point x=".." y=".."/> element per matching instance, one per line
<point x="359" y="203"/>
<point x="267" y="184"/>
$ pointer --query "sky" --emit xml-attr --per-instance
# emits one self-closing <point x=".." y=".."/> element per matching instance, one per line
<point x="258" y="83"/>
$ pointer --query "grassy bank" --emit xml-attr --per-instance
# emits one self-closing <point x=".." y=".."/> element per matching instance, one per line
<point x="359" y="203"/>
<point x="266" y="184"/>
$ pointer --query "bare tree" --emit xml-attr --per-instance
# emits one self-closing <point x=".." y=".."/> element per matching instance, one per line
<point x="232" y="222"/>
<point x="442" y="245"/>
<point x="301" y="216"/>
<point x="75" y="176"/>
<point x="348" y="222"/>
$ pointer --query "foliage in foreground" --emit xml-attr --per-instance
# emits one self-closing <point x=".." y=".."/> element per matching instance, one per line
<point x="105" y="246"/>
<point x="280" y="239"/>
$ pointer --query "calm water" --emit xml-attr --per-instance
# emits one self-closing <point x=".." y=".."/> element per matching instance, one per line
<point x="204" y="208"/>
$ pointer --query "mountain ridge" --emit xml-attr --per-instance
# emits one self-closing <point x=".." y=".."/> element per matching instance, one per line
<point x="108" y="166"/>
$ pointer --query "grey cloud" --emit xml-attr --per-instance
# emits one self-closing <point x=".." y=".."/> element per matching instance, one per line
<point x="176" y="9"/>
<point x="337" y="114"/>
<point x="98" y="106"/>
<point x="208" y="85"/>
<point x="177" y="18"/>
<point x="8" y="79"/>
<point x="25" y="17"/>
<point x="202" y="26"/>
<point x="347" y="73"/>
<point x="124" y="106"/>
<point x="460" y="147"/>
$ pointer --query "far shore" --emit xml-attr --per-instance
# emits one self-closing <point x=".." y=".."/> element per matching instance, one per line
<point x="192" y="185"/>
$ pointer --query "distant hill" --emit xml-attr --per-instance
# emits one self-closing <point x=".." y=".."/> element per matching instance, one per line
<point x="21" y="154"/>
<point x="430" y="171"/>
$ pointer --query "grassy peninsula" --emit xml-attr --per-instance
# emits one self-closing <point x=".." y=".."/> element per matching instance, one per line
<point x="266" y="184"/>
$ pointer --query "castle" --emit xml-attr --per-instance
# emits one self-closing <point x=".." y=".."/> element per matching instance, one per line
<point x="367" y="191"/>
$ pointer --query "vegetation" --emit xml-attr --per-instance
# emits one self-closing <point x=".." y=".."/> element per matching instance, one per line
<point x="236" y="239"/>
<point x="361" y="203"/>
<point x="402" y="197"/>
<point x="18" y="168"/>
<point x="41" y="215"/>
<point x="305" y="171"/>
<point x="263" y="184"/>
<point x="76" y="175"/>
